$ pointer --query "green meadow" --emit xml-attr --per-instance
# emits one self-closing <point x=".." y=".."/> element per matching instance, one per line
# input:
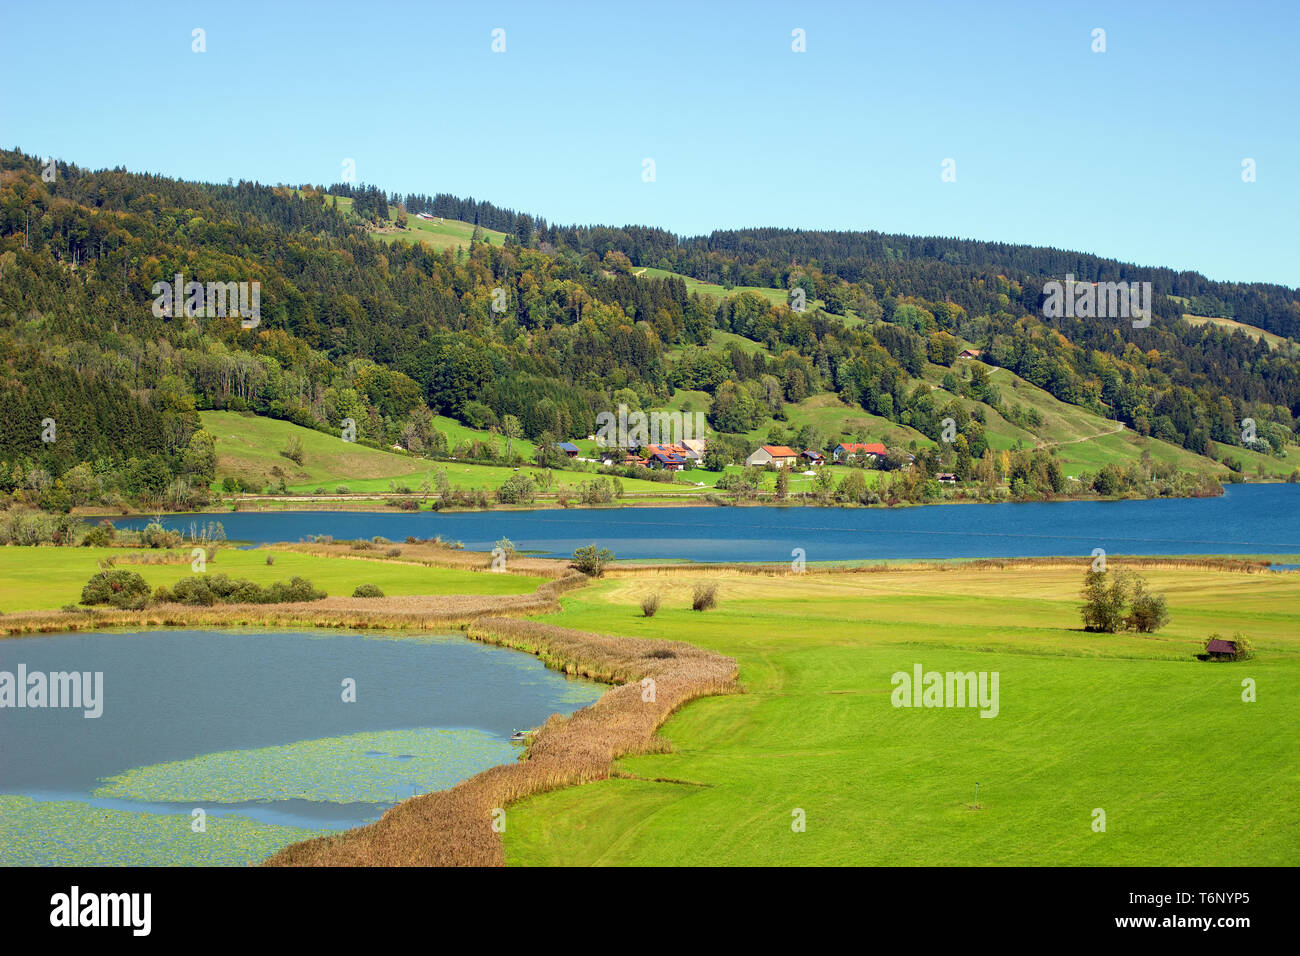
<point x="713" y="290"/>
<point x="440" y="234"/>
<point x="1185" y="771"/>
<point x="1274" y="340"/>
<point x="249" y="446"/>
<point x="47" y="578"/>
<point x="444" y="234"/>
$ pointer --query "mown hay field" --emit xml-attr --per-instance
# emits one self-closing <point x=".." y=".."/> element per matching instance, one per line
<point x="47" y="578"/>
<point x="1185" y="771"/>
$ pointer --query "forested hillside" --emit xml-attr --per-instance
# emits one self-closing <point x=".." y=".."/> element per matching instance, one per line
<point x="392" y="334"/>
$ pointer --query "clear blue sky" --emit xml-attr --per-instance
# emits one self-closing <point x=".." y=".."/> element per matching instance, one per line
<point x="1134" y="153"/>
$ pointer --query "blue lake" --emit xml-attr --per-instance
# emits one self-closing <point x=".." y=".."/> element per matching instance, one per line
<point x="251" y="728"/>
<point x="1255" y="519"/>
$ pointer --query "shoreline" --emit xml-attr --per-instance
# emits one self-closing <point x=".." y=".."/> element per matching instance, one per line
<point x="454" y="827"/>
<point x="378" y="503"/>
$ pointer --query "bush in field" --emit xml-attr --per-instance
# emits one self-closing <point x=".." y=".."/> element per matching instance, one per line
<point x="205" y="590"/>
<point x="293" y="449"/>
<point x="121" y="589"/>
<point x="650" y="604"/>
<point x="156" y="536"/>
<point x="297" y="589"/>
<point x="1148" y="612"/>
<point x="591" y="560"/>
<point x="29" y="526"/>
<point x="1119" y="600"/>
<point x="195" y="591"/>
<point x="100" y="536"/>
<point x="705" y="597"/>
<point x="518" y="489"/>
<point x="367" y="591"/>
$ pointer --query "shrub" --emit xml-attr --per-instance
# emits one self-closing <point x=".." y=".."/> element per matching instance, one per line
<point x="207" y="590"/>
<point x="121" y="589"/>
<point x="649" y="605"/>
<point x="98" y="537"/>
<point x="1106" y="595"/>
<point x="1245" y="648"/>
<point x="518" y="489"/>
<point x="341" y="490"/>
<point x="156" y="536"/>
<point x="367" y="591"/>
<point x="1148" y="613"/>
<point x="393" y="552"/>
<point x="592" y="561"/>
<point x="706" y="597"/>
<point x="196" y="590"/>
<point x="270" y="559"/>
<point x="298" y="589"/>
<point x="293" y="449"/>
<point x="29" y="526"/>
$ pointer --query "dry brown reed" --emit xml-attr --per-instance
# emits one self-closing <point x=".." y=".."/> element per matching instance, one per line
<point x="1208" y="563"/>
<point x="430" y="554"/>
<point x="454" y="827"/>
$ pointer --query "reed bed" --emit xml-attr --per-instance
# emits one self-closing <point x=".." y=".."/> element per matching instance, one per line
<point x="783" y="569"/>
<point x="404" y="612"/>
<point x="429" y="554"/>
<point x="454" y="827"/>
<point x="160" y="557"/>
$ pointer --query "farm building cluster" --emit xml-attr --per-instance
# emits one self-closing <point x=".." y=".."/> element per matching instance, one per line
<point x="671" y="457"/>
<point x="782" y="456"/>
<point x="689" y="452"/>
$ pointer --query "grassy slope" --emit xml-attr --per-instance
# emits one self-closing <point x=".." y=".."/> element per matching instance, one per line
<point x="1274" y="340"/>
<point x="48" y="578"/>
<point x="447" y="234"/>
<point x="248" y="447"/>
<point x="1084" y="441"/>
<point x="714" y="291"/>
<point x="1131" y="725"/>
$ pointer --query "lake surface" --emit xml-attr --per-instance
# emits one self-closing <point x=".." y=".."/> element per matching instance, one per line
<point x="1257" y="519"/>
<point x="252" y="729"/>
